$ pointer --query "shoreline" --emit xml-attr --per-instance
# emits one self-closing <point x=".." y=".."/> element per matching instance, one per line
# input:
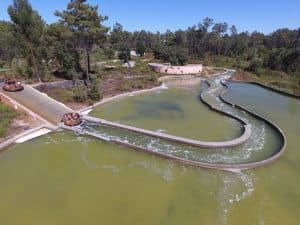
<point x="169" y="78"/>
<point x="234" y="80"/>
<point x="41" y="123"/>
<point x="26" y="135"/>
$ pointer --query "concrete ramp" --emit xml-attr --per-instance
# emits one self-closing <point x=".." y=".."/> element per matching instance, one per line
<point x="39" y="103"/>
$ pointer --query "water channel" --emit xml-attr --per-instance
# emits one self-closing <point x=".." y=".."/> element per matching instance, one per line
<point x="68" y="179"/>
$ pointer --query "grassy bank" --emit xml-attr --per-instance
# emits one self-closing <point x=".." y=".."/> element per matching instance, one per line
<point x="275" y="79"/>
<point x="280" y="80"/>
<point x="6" y="115"/>
<point x="114" y="80"/>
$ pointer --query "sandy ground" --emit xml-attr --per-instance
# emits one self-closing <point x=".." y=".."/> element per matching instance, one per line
<point x="20" y="124"/>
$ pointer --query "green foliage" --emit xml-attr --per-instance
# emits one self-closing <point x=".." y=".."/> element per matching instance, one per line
<point x="132" y="84"/>
<point x="224" y="61"/>
<point x="61" y="94"/>
<point x="109" y="53"/>
<point x="255" y="65"/>
<point x="6" y="115"/>
<point x="124" y="53"/>
<point x="143" y="68"/>
<point x="28" y="29"/>
<point x="140" y="49"/>
<point x="36" y="50"/>
<point x="84" y="22"/>
<point x="117" y="36"/>
<point x="7" y="47"/>
<point x="79" y="92"/>
<point x="171" y="54"/>
<point x="62" y="51"/>
<point x="93" y="91"/>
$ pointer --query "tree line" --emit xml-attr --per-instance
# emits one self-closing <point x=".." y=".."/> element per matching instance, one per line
<point x="37" y="49"/>
<point x="279" y="50"/>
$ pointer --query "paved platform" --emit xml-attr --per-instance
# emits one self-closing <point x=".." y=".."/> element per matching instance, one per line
<point x="39" y="103"/>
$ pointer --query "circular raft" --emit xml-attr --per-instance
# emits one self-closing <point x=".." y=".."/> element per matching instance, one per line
<point x="11" y="85"/>
<point x="71" y="119"/>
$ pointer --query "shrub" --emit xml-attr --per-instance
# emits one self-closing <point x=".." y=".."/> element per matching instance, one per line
<point x="124" y="53"/>
<point x="93" y="91"/>
<point x="140" y="49"/>
<point x="6" y="115"/>
<point x="109" y="53"/>
<point x="79" y="92"/>
<point x="152" y="78"/>
<point x="171" y="54"/>
<point x="61" y="94"/>
<point x="255" y="65"/>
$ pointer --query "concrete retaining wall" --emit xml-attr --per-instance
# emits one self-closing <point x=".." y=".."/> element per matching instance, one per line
<point x="202" y="144"/>
<point x="10" y="141"/>
<point x="187" y="69"/>
<point x="272" y="124"/>
<point x="267" y="87"/>
<point x="180" y="81"/>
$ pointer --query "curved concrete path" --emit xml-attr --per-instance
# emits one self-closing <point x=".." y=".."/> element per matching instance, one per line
<point x="231" y="143"/>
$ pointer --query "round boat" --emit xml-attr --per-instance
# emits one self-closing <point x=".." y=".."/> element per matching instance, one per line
<point x="71" y="119"/>
<point x="11" y="85"/>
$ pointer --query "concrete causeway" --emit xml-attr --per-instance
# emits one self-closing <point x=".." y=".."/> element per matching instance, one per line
<point x="37" y="102"/>
<point x="230" y="143"/>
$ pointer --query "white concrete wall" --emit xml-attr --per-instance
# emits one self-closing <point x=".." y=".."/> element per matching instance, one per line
<point x="187" y="69"/>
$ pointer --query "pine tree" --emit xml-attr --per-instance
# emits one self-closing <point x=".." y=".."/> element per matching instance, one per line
<point x="85" y="23"/>
<point x="28" y="29"/>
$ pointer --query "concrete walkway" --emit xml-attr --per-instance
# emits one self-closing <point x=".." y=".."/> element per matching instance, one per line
<point x="39" y="103"/>
<point x="203" y="144"/>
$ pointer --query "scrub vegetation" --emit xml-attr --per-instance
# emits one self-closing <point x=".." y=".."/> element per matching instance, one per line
<point x="6" y="117"/>
<point x="80" y="48"/>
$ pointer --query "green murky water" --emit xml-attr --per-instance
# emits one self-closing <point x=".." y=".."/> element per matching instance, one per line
<point x="65" y="179"/>
<point x="176" y="111"/>
<point x="262" y="144"/>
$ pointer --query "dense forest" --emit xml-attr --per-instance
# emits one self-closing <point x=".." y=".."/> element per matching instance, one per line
<point x="37" y="50"/>
<point x="279" y="50"/>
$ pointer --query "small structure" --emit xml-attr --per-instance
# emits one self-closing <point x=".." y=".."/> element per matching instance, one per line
<point x="129" y="64"/>
<point x="71" y="119"/>
<point x="133" y="53"/>
<point x="191" y="69"/>
<point x="11" y="85"/>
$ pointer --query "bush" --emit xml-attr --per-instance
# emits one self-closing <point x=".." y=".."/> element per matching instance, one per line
<point x="124" y="53"/>
<point x="61" y="94"/>
<point x="93" y="92"/>
<point x="6" y="115"/>
<point x="255" y="65"/>
<point x="140" y="49"/>
<point x="79" y="92"/>
<point x="152" y="77"/>
<point x="171" y="54"/>
<point x="109" y="53"/>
